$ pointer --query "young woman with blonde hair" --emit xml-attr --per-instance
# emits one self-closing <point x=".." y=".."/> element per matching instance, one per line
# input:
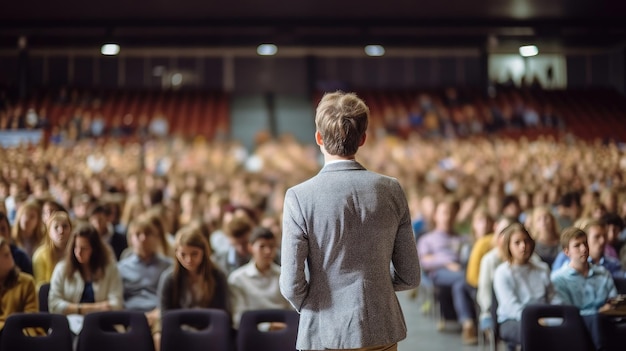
<point x="28" y="230"/>
<point x="53" y="250"/>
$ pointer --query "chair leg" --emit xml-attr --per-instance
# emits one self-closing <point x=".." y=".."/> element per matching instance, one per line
<point x="493" y="343"/>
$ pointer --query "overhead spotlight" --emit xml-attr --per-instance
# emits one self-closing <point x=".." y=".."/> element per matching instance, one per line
<point x="267" y="49"/>
<point x="110" y="49"/>
<point x="528" y="50"/>
<point x="374" y="50"/>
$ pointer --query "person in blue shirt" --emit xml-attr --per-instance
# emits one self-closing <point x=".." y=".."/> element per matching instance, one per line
<point x="585" y="285"/>
<point x="596" y="241"/>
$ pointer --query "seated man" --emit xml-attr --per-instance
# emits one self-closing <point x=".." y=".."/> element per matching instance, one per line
<point x="98" y="217"/>
<point x="141" y="271"/>
<point x="597" y="242"/>
<point x="254" y="286"/>
<point x="237" y="254"/>
<point x="584" y="285"/>
<point x="439" y="252"/>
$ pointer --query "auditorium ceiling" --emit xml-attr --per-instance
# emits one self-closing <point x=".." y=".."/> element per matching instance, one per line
<point x="400" y="23"/>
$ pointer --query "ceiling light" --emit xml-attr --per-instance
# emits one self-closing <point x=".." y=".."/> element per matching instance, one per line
<point x="374" y="50"/>
<point x="267" y="49"/>
<point x="528" y="50"/>
<point x="110" y="49"/>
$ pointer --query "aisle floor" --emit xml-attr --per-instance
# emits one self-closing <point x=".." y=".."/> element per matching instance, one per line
<point x="422" y="334"/>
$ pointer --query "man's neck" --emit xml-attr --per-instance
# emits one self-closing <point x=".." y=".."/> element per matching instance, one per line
<point x="332" y="158"/>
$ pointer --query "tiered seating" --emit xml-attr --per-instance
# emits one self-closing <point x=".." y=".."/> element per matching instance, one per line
<point x="588" y="114"/>
<point x="188" y="113"/>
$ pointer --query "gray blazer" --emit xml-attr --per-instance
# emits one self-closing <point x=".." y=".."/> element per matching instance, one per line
<point x="347" y="247"/>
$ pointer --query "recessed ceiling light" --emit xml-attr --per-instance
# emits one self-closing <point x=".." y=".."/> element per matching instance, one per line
<point x="267" y="49"/>
<point x="110" y="49"/>
<point x="374" y="50"/>
<point x="528" y="50"/>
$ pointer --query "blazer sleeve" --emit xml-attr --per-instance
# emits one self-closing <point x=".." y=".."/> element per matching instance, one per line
<point x="405" y="262"/>
<point x="294" y="252"/>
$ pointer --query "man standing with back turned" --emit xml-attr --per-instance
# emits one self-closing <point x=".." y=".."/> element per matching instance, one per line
<point x="347" y="242"/>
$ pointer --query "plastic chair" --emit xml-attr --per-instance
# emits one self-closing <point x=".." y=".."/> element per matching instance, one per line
<point x="613" y="329"/>
<point x="250" y="338"/>
<point x="43" y="297"/>
<point x="101" y="332"/>
<point x="571" y="334"/>
<point x="620" y="285"/>
<point x="494" y="333"/>
<point x="196" y="330"/>
<point x="44" y="331"/>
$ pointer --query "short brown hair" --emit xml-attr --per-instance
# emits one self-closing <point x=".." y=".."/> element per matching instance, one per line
<point x="571" y="233"/>
<point x="341" y="119"/>
<point x="238" y="227"/>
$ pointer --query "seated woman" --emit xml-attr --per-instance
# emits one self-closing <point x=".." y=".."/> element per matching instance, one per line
<point x="193" y="281"/>
<point x="21" y="259"/>
<point x="545" y="232"/>
<point x="17" y="289"/>
<point x="87" y="279"/>
<point x="519" y="281"/>
<point x="46" y="257"/>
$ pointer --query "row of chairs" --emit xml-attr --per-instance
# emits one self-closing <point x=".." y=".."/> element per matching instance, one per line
<point x="569" y="333"/>
<point x="185" y="329"/>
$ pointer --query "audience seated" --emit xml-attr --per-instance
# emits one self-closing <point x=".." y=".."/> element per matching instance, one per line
<point x="54" y="248"/>
<point x="439" y="252"/>
<point x="22" y="261"/>
<point x="193" y="281"/>
<point x="519" y="282"/>
<point x="452" y="142"/>
<point x="142" y="270"/>
<point x="596" y="242"/>
<point x="87" y="279"/>
<point x="18" y="289"/>
<point x="584" y="285"/>
<point x="254" y="286"/>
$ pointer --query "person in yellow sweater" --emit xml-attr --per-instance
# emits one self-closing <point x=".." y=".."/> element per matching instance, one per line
<point x="480" y="249"/>
<point x="46" y="257"/>
<point x="17" y="289"/>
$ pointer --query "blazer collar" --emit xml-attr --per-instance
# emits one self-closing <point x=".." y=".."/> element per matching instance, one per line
<point x="348" y="165"/>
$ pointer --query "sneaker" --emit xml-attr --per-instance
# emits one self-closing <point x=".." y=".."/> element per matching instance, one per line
<point x="469" y="334"/>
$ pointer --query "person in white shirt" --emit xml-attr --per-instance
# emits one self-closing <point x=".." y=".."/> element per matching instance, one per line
<point x="519" y="281"/>
<point x="254" y="286"/>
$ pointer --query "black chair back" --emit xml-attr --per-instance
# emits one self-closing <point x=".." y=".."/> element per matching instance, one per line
<point x="36" y="332"/>
<point x="613" y="329"/>
<point x="570" y="334"/>
<point x="43" y="297"/>
<point x="115" y="330"/>
<point x="196" y="330"/>
<point x="620" y="285"/>
<point x="250" y="338"/>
